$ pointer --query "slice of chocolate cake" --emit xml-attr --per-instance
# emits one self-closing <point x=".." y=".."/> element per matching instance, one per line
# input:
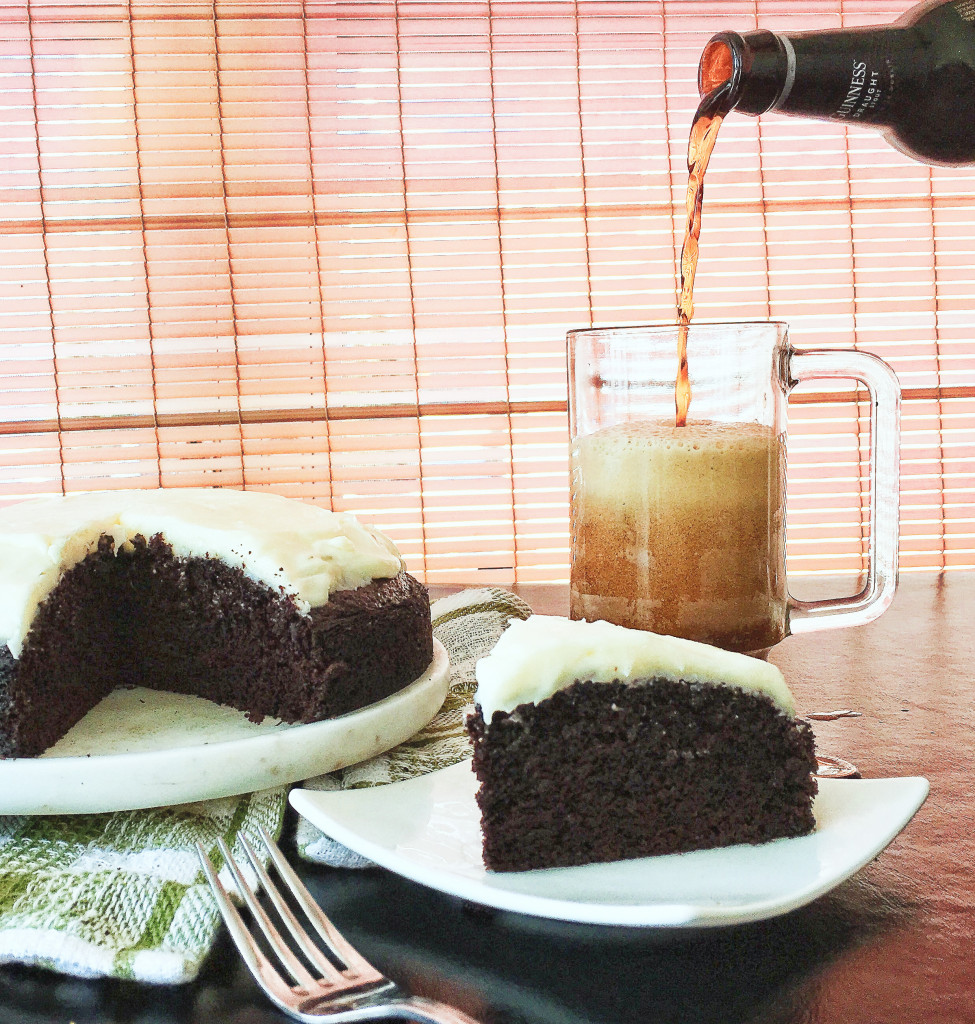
<point x="596" y="743"/>
<point x="269" y="605"/>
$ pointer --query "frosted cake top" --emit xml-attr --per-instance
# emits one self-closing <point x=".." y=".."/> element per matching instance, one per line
<point x="305" y="551"/>
<point x="536" y="657"/>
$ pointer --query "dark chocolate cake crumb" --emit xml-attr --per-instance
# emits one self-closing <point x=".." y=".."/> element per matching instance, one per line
<point x="609" y="771"/>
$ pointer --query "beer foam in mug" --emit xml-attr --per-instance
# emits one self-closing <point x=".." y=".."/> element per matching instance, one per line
<point x="690" y="462"/>
<point x="656" y="434"/>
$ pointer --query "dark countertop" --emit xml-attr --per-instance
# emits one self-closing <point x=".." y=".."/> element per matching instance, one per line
<point x="890" y="946"/>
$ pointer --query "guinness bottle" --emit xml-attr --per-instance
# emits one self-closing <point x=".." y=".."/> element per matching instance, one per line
<point x="913" y="80"/>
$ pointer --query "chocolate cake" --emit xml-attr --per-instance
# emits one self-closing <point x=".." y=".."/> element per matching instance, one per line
<point x="598" y="743"/>
<point x="271" y="606"/>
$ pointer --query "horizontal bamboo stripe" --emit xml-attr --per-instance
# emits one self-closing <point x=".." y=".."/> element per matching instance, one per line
<point x="403" y="410"/>
<point x="614" y="14"/>
<point x="86" y="223"/>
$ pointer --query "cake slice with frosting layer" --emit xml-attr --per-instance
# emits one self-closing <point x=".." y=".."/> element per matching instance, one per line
<point x="593" y="742"/>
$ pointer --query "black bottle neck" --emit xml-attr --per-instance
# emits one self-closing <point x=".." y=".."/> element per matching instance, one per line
<point x="847" y="75"/>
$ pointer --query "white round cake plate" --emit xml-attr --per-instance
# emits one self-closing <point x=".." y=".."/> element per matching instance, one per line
<point x="143" y="748"/>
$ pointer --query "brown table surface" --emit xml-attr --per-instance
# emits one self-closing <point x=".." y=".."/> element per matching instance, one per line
<point x="893" y="945"/>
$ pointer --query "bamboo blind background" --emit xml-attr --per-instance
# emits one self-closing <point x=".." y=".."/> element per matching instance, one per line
<point x="332" y="250"/>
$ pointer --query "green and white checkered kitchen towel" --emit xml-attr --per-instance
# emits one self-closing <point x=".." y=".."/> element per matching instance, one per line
<point x="121" y="895"/>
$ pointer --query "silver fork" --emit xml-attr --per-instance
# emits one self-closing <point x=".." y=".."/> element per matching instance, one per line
<point x="348" y="989"/>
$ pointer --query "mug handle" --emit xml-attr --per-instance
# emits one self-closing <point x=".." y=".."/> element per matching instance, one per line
<point x="885" y="408"/>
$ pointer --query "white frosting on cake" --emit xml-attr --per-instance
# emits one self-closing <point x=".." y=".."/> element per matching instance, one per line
<point x="306" y="551"/>
<point x="536" y="657"/>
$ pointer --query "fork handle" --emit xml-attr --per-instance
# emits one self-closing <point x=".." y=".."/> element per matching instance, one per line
<point x="428" y="1011"/>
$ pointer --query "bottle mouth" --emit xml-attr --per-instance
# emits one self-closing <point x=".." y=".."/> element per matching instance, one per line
<point x="720" y="62"/>
<point x="750" y="70"/>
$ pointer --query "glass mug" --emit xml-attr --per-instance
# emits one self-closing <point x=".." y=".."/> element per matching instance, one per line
<point x="681" y="530"/>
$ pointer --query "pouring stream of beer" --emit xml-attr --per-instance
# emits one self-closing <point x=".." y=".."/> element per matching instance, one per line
<point x="704" y="134"/>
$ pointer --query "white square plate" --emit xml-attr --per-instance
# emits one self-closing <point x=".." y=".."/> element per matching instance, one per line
<point x="428" y="829"/>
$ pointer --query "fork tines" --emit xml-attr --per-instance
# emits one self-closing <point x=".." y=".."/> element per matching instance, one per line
<point x="341" y="968"/>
